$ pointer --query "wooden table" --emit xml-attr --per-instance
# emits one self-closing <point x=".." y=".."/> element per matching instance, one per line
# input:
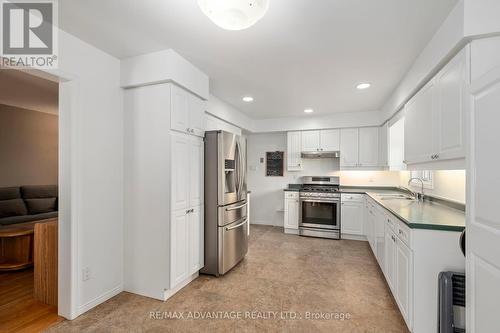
<point x="16" y="247"/>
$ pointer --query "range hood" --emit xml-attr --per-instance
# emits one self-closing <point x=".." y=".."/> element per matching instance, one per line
<point x="320" y="154"/>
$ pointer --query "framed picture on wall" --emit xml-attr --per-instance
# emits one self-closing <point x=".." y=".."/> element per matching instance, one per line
<point x="275" y="163"/>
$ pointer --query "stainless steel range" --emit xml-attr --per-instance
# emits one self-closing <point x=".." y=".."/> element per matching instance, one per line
<point x="319" y="213"/>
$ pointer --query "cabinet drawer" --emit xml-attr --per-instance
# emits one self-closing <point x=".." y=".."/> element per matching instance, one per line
<point x="352" y="197"/>
<point x="291" y="195"/>
<point x="391" y="223"/>
<point x="404" y="233"/>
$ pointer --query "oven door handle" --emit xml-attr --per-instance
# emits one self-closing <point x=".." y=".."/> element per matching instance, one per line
<point x="320" y="200"/>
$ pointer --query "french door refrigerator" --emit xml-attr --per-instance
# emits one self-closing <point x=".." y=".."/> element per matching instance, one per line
<point x="226" y="223"/>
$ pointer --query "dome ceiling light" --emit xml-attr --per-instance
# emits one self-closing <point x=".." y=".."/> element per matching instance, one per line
<point x="234" y="14"/>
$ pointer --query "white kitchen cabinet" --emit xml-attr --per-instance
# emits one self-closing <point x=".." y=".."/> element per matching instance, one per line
<point x="349" y="153"/>
<point x="310" y="141"/>
<point x="419" y="125"/>
<point x="368" y="147"/>
<point x="404" y="275"/>
<point x="352" y="215"/>
<point x="196" y="169"/>
<point x="291" y="216"/>
<point x="196" y="110"/>
<point x="359" y="147"/>
<point x="294" y="149"/>
<point x="390" y="258"/>
<point x="323" y="140"/>
<point x="383" y="146"/>
<point x="187" y="199"/>
<point x="181" y="158"/>
<point x="179" y="255"/>
<point x="452" y="102"/>
<point x="380" y="220"/>
<point x="435" y="116"/>
<point x="330" y="140"/>
<point x="187" y="112"/>
<point x="196" y="239"/>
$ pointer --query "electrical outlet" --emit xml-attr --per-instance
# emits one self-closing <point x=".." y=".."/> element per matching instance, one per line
<point x="86" y="274"/>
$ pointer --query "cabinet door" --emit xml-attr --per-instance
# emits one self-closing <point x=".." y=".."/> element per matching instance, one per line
<point x="404" y="279"/>
<point x="179" y="251"/>
<point x="380" y="238"/>
<point x="195" y="168"/>
<point x="179" y="116"/>
<point x="352" y="218"/>
<point x="294" y="159"/>
<point x="368" y="146"/>
<point x="383" y="146"/>
<point x="180" y="171"/>
<point x="330" y="140"/>
<point x="291" y="213"/>
<point x="390" y="257"/>
<point x="310" y="141"/>
<point x="349" y="147"/>
<point x="450" y="111"/>
<point x="419" y="125"/>
<point x="197" y="108"/>
<point x="196" y="239"/>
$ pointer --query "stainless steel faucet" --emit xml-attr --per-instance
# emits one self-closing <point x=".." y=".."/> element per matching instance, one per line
<point x="417" y="196"/>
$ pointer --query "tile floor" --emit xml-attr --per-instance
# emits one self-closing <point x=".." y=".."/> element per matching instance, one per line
<point x="282" y="274"/>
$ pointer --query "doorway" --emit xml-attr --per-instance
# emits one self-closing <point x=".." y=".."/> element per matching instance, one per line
<point x="29" y="201"/>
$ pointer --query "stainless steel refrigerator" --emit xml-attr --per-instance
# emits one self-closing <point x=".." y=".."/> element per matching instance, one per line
<point x="226" y="224"/>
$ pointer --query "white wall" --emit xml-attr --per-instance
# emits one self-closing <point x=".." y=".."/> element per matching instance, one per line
<point x="440" y="48"/>
<point x="91" y="161"/>
<point x="335" y="120"/>
<point x="267" y="192"/>
<point x="222" y="110"/>
<point x="448" y="184"/>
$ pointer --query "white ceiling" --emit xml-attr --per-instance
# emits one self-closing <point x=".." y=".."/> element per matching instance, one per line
<point x="302" y="54"/>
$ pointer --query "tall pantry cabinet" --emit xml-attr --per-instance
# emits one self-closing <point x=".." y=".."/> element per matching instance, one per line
<point x="163" y="234"/>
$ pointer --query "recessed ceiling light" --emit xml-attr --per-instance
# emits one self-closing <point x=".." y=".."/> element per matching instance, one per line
<point x="362" y="86"/>
<point x="308" y="110"/>
<point x="248" y="99"/>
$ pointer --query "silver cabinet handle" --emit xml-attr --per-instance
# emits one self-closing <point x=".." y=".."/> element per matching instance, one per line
<point x="237" y="226"/>
<point x="237" y="207"/>
<point x="190" y="211"/>
<point x="437" y="156"/>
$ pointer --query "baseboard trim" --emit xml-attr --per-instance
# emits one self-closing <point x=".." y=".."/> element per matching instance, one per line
<point x="354" y="237"/>
<point x="171" y="292"/>
<point x="291" y="231"/>
<point x="257" y="222"/>
<point x="99" y="299"/>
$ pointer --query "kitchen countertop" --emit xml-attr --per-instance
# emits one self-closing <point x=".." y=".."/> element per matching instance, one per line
<point x="430" y="214"/>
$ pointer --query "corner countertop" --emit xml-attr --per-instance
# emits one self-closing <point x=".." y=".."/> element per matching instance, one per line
<point x="430" y="214"/>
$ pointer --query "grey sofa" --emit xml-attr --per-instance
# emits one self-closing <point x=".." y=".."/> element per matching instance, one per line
<point x="27" y="203"/>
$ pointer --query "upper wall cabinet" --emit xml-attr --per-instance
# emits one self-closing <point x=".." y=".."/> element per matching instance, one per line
<point x="368" y="146"/>
<point x="383" y="146"/>
<point x="324" y="140"/>
<point x="294" y="147"/>
<point x="359" y="147"/>
<point x="435" y="116"/>
<point x="187" y="113"/>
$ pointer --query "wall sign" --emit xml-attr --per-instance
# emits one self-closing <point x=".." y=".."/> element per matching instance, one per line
<point x="275" y="163"/>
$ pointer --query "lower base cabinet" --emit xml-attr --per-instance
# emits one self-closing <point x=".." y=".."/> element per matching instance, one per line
<point x="187" y="235"/>
<point x="291" y="216"/>
<point x="352" y="215"/>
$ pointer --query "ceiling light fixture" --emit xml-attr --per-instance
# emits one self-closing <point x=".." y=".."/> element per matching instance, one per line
<point x="234" y="14"/>
<point x="308" y="110"/>
<point x="362" y="86"/>
<point x="247" y="99"/>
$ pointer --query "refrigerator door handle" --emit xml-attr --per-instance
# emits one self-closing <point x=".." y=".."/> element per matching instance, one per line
<point x="237" y="207"/>
<point x="237" y="226"/>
